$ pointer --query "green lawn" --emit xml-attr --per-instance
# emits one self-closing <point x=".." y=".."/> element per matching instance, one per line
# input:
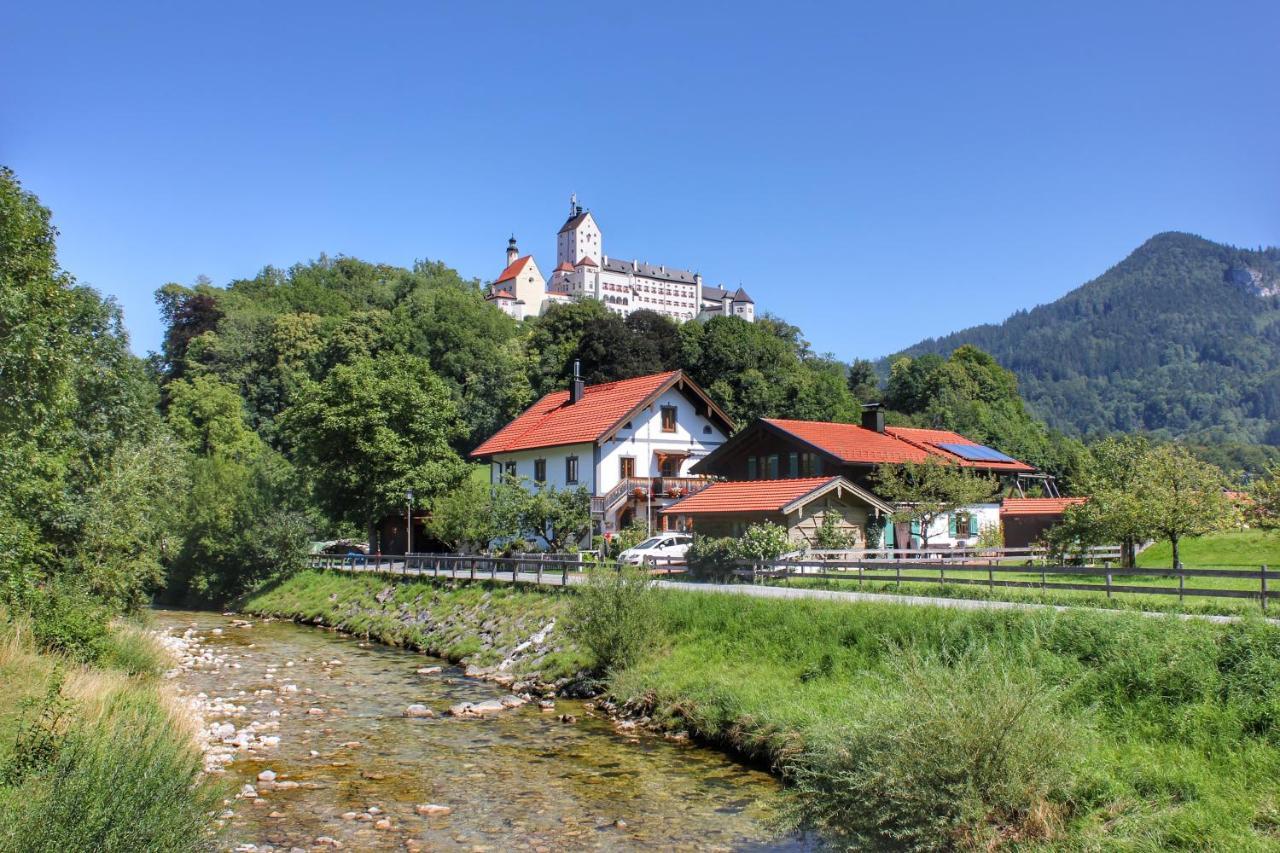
<point x="1233" y="549"/>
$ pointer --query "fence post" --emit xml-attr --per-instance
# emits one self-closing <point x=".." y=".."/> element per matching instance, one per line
<point x="1108" y="584"/>
<point x="564" y="574"/>
<point x="898" y="570"/>
<point x="1262" y="578"/>
<point x="991" y="579"/>
<point x="540" y="562"/>
<point x="1044" y="581"/>
<point x="473" y="568"/>
<point x="1182" y="579"/>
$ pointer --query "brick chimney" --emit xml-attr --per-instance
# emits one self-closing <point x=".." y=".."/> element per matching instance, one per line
<point x="873" y="417"/>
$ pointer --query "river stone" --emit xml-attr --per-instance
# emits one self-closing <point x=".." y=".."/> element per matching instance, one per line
<point x="348" y="815"/>
<point x="417" y="710"/>
<point x="429" y="670"/>
<point x="432" y="810"/>
<point x="382" y="824"/>
<point x="326" y="841"/>
<point x="267" y="776"/>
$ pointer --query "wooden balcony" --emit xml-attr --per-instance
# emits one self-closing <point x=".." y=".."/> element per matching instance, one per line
<point x="661" y="490"/>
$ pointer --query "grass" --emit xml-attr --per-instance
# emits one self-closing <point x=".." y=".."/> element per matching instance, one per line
<point x="930" y="728"/>
<point x="95" y="758"/>
<point x="1247" y="549"/>
<point x="1240" y="549"/>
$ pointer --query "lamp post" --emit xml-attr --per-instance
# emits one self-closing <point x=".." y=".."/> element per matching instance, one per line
<point x="408" y="523"/>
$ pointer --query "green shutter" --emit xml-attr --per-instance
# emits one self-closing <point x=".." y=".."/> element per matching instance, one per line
<point x="888" y="534"/>
<point x="915" y="528"/>
<point x="973" y="525"/>
<point x="951" y="524"/>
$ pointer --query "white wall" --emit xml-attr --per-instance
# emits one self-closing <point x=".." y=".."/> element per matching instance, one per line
<point x="940" y="530"/>
<point x="530" y="288"/>
<point x="646" y="436"/>
<point x="555" y="457"/>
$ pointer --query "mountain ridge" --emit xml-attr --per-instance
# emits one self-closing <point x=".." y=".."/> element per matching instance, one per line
<point x="1180" y="338"/>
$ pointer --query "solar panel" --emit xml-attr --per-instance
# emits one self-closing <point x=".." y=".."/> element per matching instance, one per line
<point x="976" y="453"/>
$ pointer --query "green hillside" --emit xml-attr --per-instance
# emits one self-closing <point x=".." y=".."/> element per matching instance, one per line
<point x="1181" y="338"/>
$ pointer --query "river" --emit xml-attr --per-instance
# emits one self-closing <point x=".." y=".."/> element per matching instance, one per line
<point x="352" y="770"/>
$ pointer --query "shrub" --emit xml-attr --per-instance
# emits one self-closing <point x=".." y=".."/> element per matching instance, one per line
<point x="762" y="542"/>
<point x="712" y="559"/>
<point x="830" y="536"/>
<point x="949" y="756"/>
<point x="613" y="615"/>
<point x="65" y="618"/>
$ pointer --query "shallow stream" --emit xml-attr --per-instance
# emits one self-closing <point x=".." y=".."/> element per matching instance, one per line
<point x="520" y="780"/>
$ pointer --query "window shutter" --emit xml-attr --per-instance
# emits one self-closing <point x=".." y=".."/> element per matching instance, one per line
<point x="887" y="539"/>
<point x="915" y="528"/>
<point x="973" y="525"/>
<point x="951" y="524"/>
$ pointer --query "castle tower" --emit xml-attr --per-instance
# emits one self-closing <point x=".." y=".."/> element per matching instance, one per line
<point x="579" y="237"/>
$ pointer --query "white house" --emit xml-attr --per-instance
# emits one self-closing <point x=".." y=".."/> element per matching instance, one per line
<point x="584" y="271"/>
<point x="629" y="443"/>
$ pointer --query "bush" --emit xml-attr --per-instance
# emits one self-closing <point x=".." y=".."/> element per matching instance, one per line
<point x="764" y="542"/>
<point x="66" y="619"/>
<point x="951" y="756"/>
<point x="830" y="536"/>
<point x="613" y="615"/>
<point x="712" y="559"/>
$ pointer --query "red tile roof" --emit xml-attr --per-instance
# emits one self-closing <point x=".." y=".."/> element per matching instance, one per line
<point x="514" y="269"/>
<point x="852" y="443"/>
<point x="553" y="421"/>
<point x="585" y="260"/>
<point x="929" y="439"/>
<point x="1038" y="506"/>
<point x="747" y="496"/>
<point x="499" y="294"/>
<point x="565" y="266"/>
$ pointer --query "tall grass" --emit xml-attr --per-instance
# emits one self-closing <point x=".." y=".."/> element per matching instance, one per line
<point x="95" y="759"/>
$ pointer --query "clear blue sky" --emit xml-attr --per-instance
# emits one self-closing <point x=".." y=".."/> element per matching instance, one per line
<point x="874" y="173"/>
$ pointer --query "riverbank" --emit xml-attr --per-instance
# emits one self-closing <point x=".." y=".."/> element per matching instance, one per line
<point x="1075" y="729"/>
<point x="97" y="757"/>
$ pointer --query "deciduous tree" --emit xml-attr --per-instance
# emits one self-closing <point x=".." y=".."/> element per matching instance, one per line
<point x="927" y="491"/>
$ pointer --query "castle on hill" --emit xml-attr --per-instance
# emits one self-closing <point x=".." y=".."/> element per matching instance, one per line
<point x="584" y="271"/>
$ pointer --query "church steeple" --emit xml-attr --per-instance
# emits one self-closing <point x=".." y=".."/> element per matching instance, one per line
<point x="512" y="251"/>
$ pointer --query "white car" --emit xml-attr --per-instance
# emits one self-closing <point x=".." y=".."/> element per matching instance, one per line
<point x="661" y="549"/>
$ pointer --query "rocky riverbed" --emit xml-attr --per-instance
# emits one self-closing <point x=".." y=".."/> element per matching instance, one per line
<point x="326" y="742"/>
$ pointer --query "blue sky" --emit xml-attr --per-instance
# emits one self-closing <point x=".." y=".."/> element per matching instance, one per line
<point x="874" y="173"/>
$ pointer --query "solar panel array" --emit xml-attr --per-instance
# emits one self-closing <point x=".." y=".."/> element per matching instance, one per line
<point x="976" y="453"/>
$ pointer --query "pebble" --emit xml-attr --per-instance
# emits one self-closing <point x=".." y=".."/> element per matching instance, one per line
<point x="326" y="841"/>
<point x="417" y="710"/>
<point x="432" y="810"/>
<point x="267" y="776"/>
<point x="315" y="712"/>
<point x="382" y="824"/>
<point x="429" y="670"/>
<point x="349" y="815"/>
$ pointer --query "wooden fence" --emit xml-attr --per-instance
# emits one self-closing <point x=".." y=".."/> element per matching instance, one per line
<point x="961" y="572"/>
<point x="535" y="568"/>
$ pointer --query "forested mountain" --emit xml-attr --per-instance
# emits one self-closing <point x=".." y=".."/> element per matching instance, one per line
<point x="1181" y="338"/>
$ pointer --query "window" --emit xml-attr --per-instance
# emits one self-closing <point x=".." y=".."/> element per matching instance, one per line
<point x="793" y="464"/>
<point x="571" y="471"/>
<point x="669" y="467"/>
<point x="540" y="470"/>
<point x="510" y="469"/>
<point x="627" y="467"/>
<point x="771" y="465"/>
<point x="706" y="430"/>
<point x="668" y="418"/>
<point x="752" y="471"/>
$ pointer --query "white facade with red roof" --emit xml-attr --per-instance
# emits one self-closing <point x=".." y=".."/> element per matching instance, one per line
<point x="629" y="443"/>
<point x="584" y="271"/>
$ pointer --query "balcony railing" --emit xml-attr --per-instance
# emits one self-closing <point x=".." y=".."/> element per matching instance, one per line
<point x="661" y="489"/>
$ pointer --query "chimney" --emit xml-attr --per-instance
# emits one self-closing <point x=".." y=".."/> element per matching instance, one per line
<point x="575" y="389"/>
<point x="873" y="417"/>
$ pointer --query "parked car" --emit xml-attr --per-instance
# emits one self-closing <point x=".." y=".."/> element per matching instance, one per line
<point x="661" y="549"/>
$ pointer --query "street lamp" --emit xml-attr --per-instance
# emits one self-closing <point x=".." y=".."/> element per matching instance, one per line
<point x="408" y="522"/>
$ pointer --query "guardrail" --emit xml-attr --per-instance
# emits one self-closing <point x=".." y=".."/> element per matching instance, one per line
<point x="927" y="571"/>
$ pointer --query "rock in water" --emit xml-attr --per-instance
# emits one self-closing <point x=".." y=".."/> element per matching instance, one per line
<point x="267" y="776"/>
<point x="419" y="711"/>
<point x="432" y="810"/>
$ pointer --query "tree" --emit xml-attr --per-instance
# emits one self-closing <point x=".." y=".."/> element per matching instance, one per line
<point x="864" y="385"/>
<point x="561" y="516"/>
<point x="372" y="430"/>
<point x="476" y="513"/>
<point x="927" y="491"/>
<point x="1182" y="496"/>
<point x="1113" y="512"/>
<point x="1264" y="496"/>
<point x="209" y="418"/>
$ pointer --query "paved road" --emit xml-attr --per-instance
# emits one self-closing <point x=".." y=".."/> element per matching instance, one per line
<point x="555" y="578"/>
